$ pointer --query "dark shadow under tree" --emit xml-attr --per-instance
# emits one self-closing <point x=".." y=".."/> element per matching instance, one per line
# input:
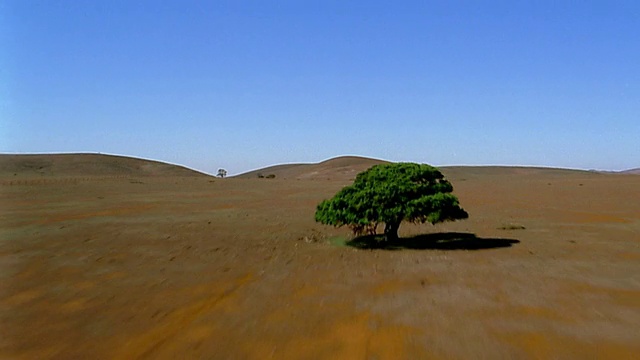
<point x="435" y="241"/>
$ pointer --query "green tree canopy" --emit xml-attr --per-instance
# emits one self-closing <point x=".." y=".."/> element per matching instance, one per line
<point x="391" y="194"/>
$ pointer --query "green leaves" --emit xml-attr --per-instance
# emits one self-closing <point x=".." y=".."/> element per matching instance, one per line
<point x="392" y="193"/>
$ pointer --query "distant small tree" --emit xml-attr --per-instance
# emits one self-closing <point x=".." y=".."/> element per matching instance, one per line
<point x="391" y="194"/>
<point x="222" y="173"/>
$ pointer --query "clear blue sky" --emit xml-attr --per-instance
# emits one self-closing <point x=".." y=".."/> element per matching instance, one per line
<point x="245" y="84"/>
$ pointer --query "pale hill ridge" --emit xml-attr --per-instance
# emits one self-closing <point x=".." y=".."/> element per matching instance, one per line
<point x="635" y="171"/>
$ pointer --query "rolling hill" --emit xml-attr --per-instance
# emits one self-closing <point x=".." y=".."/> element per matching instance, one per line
<point x="347" y="167"/>
<point x="470" y="172"/>
<point x="339" y="168"/>
<point x="86" y="165"/>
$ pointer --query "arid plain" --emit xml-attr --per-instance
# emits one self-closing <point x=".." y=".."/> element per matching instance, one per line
<point x="115" y="258"/>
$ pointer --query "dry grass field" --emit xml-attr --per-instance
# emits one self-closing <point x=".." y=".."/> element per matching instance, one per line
<point x="145" y="261"/>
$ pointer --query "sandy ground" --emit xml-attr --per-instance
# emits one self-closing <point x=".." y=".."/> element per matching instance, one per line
<point x="166" y="268"/>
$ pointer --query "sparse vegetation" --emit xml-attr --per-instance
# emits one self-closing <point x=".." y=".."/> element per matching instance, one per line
<point x="314" y="236"/>
<point x="192" y="241"/>
<point x="511" y="227"/>
<point x="391" y="194"/>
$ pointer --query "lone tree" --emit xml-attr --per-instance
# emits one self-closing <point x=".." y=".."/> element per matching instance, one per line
<point x="391" y="194"/>
<point x="222" y="173"/>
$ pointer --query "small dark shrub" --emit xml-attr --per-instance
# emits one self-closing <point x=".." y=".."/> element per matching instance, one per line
<point x="511" y="227"/>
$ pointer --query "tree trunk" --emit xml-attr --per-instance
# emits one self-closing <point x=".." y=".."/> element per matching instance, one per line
<point x="391" y="231"/>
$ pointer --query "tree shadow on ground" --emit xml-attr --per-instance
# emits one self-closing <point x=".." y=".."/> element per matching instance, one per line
<point x="437" y="241"/>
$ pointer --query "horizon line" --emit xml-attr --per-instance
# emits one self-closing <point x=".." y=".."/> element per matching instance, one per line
<point x="312" y="163"/>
